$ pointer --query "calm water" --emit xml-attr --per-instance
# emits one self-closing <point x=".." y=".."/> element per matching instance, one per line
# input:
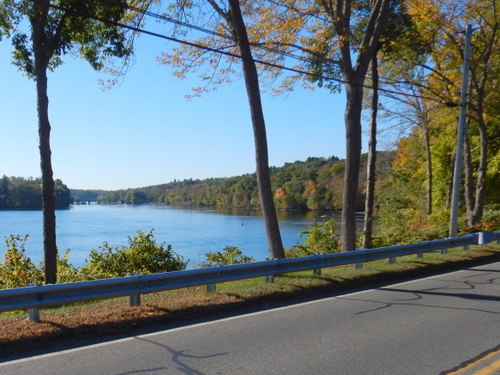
<point x="191" y="232"/>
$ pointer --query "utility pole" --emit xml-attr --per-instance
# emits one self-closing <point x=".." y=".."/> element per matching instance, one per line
<point x="457" y="174"/>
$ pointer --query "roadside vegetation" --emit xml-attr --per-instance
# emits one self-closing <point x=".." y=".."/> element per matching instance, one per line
<point x="142" y="255"/>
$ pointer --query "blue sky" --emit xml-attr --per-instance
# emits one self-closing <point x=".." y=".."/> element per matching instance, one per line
<point x="144" y="132"/>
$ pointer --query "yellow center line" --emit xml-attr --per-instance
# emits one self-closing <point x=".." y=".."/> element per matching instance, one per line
<point x="494" y="366"/>
<point x="490" y="369"/>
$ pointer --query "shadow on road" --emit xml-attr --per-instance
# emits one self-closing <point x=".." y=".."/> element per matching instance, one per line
<point x="176" y="357"/>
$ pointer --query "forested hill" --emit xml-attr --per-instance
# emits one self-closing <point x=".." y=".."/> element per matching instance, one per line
<point x="18" y="193"/>
<point x="314" y="184"/>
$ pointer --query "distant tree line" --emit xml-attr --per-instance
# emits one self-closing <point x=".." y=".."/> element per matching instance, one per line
<point x="313" y="184"/>
<point x="18" y="193"/>
<point x="80" y="195"/>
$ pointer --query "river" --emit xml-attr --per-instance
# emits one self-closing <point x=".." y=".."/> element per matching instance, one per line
<point x="191" y="232"/>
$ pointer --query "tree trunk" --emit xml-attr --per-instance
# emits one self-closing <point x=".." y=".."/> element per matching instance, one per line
<point x="354" y="78"/>
<point x="372" y="160"/>
<point x="477" y="213"/>
<point x="428" y="161"/>
<point x="450" y="181"/>
<point x="352" y="116"/>
<point x="469" y="183"/>
<point x="48" y="197"/>
<point x="259" y="129"/>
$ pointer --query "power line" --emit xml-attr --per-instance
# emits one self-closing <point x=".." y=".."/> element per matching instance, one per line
<point x="224" y="36"/>
<point x="230" y="54"/>
<point x="273" y="50"/>
<point x="197" y="45"/>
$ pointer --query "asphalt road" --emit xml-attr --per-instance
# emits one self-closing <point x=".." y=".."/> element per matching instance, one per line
<point x="447" y="324"/>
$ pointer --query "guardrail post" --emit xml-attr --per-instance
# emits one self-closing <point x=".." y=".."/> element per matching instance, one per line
<point x="358" y="265"/>
<point x="392" y="260"/>
<point x="485" y="238"/>
<point x="135" y="299"/>
<point x="270" y="278"/>
<point x="466" y="247"/>
<point x="34" y="313"/>
<point x="420" y="255"/>
<point x="211" y="287"/>
<point x="317" y="271"/>
<point x="444" y="251"/>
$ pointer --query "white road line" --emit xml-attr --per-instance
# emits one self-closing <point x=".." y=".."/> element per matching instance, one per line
<point x="172" y="330"/>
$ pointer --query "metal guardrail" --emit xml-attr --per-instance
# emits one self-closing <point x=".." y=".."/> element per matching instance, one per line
<point x="35" y="297"/>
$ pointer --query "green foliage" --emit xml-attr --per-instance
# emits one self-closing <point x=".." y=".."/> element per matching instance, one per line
<point x="26" y="193"/>
<point x="320" y="239"/>
<point x="79" y="195"/>
<point x="143" y="255"/>
<point x="403" y="220"/>
<point x="489" y="223"/>
<point x="314" y="184"/>
<point x="228" y="255"/>
<point x="65" y="30"/>
<point x="17" y="269"/>
<point x="66" y="272"/>
<point x="136" y="197"/>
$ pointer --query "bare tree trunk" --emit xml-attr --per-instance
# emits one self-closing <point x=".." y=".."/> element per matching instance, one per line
<point x="469" y="183"/>
<point x="259" y="128"/>
<point x="352" y="117"/>
<point x="48" y="198"/>
<point x="354" y="75"/>
<point x="450" y="182"/>
<point x="372" y="160"/>
<point x="428" y="161"/>
<point x="477" y="213"/>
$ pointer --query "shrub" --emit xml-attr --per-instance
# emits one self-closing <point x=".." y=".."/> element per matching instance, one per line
<point x="228" y="255"/>
<point x="17" y="269"/>
<point x="320" y="239"/>
<point x="66" y="272"/>
<point x="143" y="255"/>
<point x="489" y="223"/>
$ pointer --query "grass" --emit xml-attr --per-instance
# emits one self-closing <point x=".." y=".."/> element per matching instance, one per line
<point x="115" y="316"/>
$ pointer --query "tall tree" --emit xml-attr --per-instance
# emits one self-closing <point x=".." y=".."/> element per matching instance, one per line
<point x="334" y="41"/>
<point x="372" y="159"/>
<point x="235" y="19"/>
<point x="57" y="27"/>
<point x="232" y="22"/>
<point x="330" y="39"/>
<point x="484" y="113"/>
<point x="448" y="19"/>
<point x="412" y="110"/>
<point x="355" y="56"/>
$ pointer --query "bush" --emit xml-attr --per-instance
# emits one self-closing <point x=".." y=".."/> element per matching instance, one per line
<point x="489" y="223"/>
<point x="228" y="255"/>
<point x="66" y="272"/>
<point x="320" y="239"/>
<point x="17" y="269"/>
<point x="143" y="255"/>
